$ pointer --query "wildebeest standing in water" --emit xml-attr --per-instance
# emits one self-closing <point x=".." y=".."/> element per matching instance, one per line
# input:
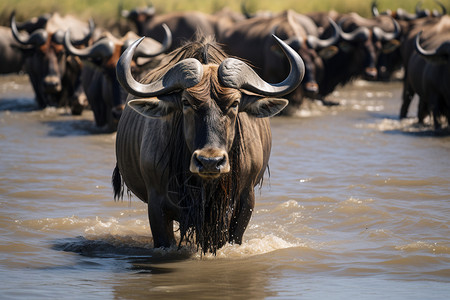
<point x="428" y="71"/>
<point x="183" y="25"/>
<point x="12" y="55"/>
<point x="195" y="140"/>
<point x="361" y="43"/>
<point x="55" y="77"/>
<point x="251" y="40"/>
<point x="105" y="95"/>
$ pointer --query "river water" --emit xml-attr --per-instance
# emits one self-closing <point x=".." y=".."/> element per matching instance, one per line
<point x="357" y="205"/>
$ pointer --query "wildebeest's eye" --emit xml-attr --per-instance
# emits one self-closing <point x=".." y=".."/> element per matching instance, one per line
<point x="185" y="103"/>
<point x="234" y="104"/>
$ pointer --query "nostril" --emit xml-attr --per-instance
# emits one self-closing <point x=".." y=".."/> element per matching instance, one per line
<point x="221" y="162"/>
<point x="196" y="161"/>
<point x="209" y="164"/>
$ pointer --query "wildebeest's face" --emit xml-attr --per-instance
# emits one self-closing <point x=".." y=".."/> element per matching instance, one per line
<point x="47" y="64"/>
<point x="209" y="118"/>
<point x="209" y="114"/>
<point x="208" y="100"/>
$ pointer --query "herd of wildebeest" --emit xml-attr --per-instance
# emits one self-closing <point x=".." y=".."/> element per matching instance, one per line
<point x="70" y="62"/>
<point x="194" y="139"/>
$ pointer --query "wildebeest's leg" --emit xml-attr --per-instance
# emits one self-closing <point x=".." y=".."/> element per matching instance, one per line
<point x="37" y="92"/>
<point x="239" y="223"/>
<point x="160" y="223"/>
<point x="407" y="96"/>
<point x="435" y="107"/>
<point x="422" y="110"/>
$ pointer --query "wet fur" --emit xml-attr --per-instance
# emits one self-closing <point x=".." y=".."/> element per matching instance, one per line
<point x="208" y="208"/>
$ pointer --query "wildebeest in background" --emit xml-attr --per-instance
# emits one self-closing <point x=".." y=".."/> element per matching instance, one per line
<point x="428" y="71"/>
<point x="390" y="60"/>
<point x="407" y="50"/>
<point x="139" y="17"/>
<point x="251" y="40"/>
<point x="55" y="77"/>
<point x="260" y="13"/>
<point x="104" y="93"/>
<point x="12" y="56"/>
<point x="196" y="141"/>
<point x="401" y="14"/>
<point x="361" y="42"/>
<point x="183" y="25"/>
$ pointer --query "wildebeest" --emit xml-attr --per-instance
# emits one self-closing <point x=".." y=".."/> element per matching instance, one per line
<point x="428" y="71"/>
<point x="401" y="14"/>
<point x="183" y="25"/>
<point x="53" y="75"/>
<point x="12" y="56"/>
<point x="105" y="95"/>
<point x="391" y="60"/>
<point x="195" y="140"/>
<point x="260" y="13"/>
<point x="251" y="40"/>
<point x="407" y="50"/>
<point x="361" y="42"/>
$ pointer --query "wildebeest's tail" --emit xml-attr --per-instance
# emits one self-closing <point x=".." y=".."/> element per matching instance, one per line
<point x="117" y="184"/>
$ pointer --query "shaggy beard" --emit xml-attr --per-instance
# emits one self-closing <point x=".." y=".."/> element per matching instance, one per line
<point x="207" y="209"/>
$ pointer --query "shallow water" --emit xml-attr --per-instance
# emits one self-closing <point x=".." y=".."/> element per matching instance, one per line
<point x="357" y="205"/>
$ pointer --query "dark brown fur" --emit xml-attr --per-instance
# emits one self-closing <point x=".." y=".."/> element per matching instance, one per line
<point x="208" y="209"/>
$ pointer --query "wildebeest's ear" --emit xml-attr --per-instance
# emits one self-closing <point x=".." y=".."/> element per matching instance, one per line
<point x="156" y="107"/>
<point x="262" y="107"/>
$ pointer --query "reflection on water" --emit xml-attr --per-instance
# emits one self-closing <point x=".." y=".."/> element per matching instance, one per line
<point x="356" y="205"/>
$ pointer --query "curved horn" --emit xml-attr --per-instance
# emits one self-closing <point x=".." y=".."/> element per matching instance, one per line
<point x="359" y="34"/>
<point x="101" y="49"/>
<point x="381" y="35"/>
<point x="38" y="37"/>
<point x="440" y="54"/>
<point x="182" y="75"/>
<point x="244" y="10"/>
<point x="34" y="23"/>
<point x="420" y="13"/>
<point x="375" y="11"/>
<point x="167" y="42"/>
<point x="317" y="43"/>
<point x="444" y="10"/>
<point x="235" y="73"/>
<point x="419" y="48"/>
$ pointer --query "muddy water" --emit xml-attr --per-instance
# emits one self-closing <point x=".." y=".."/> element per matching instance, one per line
<point x="357" y="205"/>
